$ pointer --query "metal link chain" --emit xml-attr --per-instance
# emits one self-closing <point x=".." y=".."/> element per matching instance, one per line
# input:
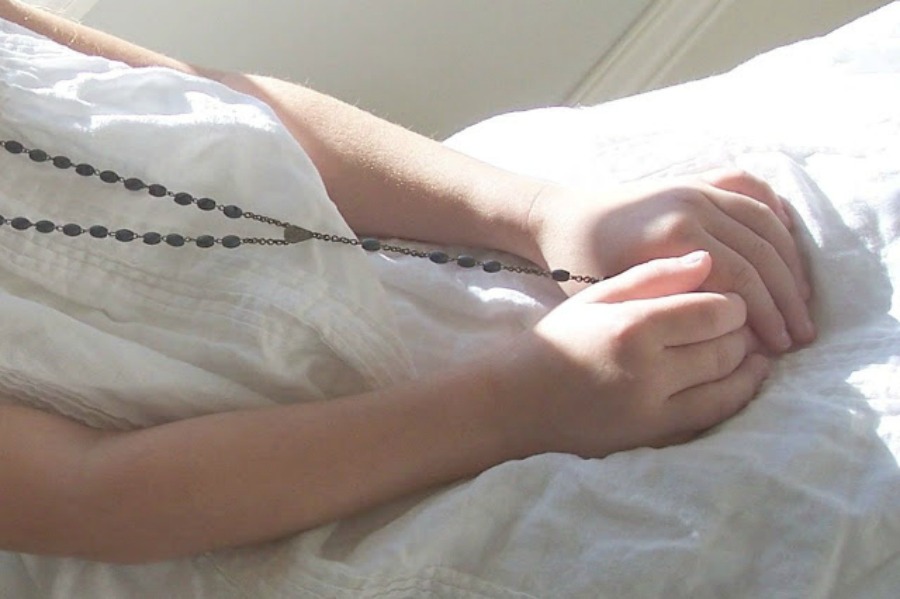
<point x="232" y="241"/>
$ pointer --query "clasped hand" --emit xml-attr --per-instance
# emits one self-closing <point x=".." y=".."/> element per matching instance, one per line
<point x="641" y="359"/>
<point x="734" y="216"/>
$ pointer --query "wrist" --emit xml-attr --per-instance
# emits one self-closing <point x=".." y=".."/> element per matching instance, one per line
<point x="515" y="396"/>
<point x="510" y="224"/>
<point x="536" y="223"/>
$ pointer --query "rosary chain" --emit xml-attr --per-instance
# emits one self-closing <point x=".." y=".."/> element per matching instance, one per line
<point x="292" y="233"/>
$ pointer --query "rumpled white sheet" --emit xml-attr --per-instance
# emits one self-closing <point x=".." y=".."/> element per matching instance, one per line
<point x="799" y="496"/>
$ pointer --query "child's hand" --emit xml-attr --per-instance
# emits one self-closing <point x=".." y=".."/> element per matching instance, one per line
<point x="633" y="361"/>
<point x="737" y="218"/>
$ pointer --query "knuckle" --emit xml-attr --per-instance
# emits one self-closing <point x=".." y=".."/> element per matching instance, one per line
<point x="711" y="316"/>
<point x="680" y="226"/>
<point x="690" y="202"/>
<point x="743" y="182"/>
<point x="741" y="177"/>
<point x="761" y="251"/>
<point x="742" y="275"/>
<point x="761" y="210"/>
<point x="758" y="209"/>
<point x="739" y="174"/>
<point x="628" y="345"/>
<point x="625" y="336"/>
<point x="737" y="307"/>
<point x="729" y="354"/>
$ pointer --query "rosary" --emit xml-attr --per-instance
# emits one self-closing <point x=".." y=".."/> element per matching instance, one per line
<point x="291" y="233"/>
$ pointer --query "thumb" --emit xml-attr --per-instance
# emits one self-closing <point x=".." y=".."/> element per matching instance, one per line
<point x="657" y="278"/>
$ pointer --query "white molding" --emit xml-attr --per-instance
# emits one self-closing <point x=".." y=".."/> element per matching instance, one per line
<point x="648" y="50"/>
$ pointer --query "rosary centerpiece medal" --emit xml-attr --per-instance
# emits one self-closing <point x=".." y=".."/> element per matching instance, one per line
<point x="295" y="234"/>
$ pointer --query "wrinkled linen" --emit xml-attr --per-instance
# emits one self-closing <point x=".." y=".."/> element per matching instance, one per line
<point x="799" y="495"/>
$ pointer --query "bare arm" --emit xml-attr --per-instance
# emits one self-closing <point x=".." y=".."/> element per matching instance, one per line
<point x="386" y="181"/>
<point x="235" y="478"/>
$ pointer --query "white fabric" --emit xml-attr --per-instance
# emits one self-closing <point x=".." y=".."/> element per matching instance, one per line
<point x="798" y="496"/>
<point x="243" y="328"/>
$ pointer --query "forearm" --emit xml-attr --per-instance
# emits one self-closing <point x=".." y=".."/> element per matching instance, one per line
<point x="242" y="477"/>
<point x="386" y="181"/>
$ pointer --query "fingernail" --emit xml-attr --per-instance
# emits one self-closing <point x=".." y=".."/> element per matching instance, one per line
<point x="809" y="329"/>
<point x="784" y="341"/>
<point x="693" y="257"/>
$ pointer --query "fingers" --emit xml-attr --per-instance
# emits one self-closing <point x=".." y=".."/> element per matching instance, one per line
<point x="760" y="221"/>
<point x="746" y="184"/>
<point x="694" y="317"/>
<point x="737" y="274"/>
<point x="653" y="279"/>
<point x="770" y="281"/>
<point x="700" y="363"/>
<point x="704" y="406"/>
<point x="767" y="245"/>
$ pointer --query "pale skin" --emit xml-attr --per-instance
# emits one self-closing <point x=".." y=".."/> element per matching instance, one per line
<point x="654" y="356"/>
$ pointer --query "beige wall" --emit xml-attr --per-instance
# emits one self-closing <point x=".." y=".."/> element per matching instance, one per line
<point x="432" y="65"/>
<point x="439" y="65"/>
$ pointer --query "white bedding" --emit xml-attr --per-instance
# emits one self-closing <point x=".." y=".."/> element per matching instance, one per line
<point x="799" y="496"/>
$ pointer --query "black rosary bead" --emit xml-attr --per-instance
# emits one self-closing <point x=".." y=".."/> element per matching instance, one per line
<point x="72" y="230"/>
<point x="231" y="241"/>
<point x="438" y="257"/>
<point x="466" y="261"/>
<point x="152" y="238"/>
<point x="157" y="190"/>
<point x="560" y="275"/>
<point x="38" y="155"/>
<point x="109" y="177"/>
<point x="175" y="240"/>
<point x="62" y="162"/>
<point x="14" y="147"/>
<point x="371" y="245"/>
<point x="20" y="223"/>
<point x="206" y="204"/>
<point x="133" y="184"/>
<point x="492" y="266"/>
<point x="85" y="170"/>
<point x="125" y="235"/>
<point x="45" y="226"/>
<point x="99" y="231"/>
<point x="232" y="212"/>
<point x="2" y="220"/>
<point x="183" y="199"/>
<point x="205" y="241"/>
